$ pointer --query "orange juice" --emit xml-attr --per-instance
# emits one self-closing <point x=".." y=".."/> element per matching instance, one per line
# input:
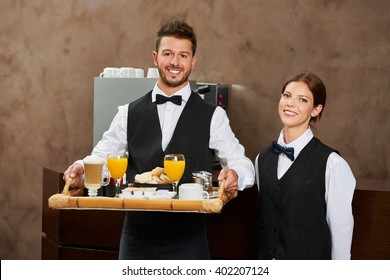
<point x="117" y="167"/>
<point x="174" y="169"/>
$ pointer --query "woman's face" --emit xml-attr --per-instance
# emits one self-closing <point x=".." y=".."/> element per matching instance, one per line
<point x="296" y="106"/>
<point x="174" y="61"/>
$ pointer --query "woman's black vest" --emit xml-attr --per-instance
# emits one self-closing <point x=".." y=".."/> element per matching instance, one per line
<point x="293" y="210"/>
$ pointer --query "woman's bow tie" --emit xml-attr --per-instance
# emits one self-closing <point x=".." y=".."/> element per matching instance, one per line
<point x="289" y="152"/>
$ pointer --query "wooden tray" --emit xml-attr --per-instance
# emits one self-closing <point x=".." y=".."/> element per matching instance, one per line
<point x="214" y="205"/>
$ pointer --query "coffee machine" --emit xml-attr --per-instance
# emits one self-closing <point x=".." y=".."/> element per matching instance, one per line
<point x="109" y="93"/>
<point x="214" y="93"/>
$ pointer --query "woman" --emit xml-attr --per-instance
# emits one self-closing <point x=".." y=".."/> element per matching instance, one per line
<point x="305" y="191"/>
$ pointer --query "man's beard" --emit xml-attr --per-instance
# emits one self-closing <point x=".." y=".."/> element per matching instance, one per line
<point x="173" y="83"/>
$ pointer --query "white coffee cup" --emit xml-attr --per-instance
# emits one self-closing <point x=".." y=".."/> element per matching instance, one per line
<point x="192" y="191"/>
<point x="110" y="72"/>
<point x="139" y="73"/>
<point x="126" y="72"/>
<point x="152" y="73"/>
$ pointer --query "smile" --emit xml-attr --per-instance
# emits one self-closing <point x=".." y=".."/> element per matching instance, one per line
<point x="174" y="71"/>
<point x="289" y="113"/>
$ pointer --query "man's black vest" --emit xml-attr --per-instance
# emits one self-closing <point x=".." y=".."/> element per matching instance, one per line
<point x="191" y="137"/>
<point x="293" y="218"/>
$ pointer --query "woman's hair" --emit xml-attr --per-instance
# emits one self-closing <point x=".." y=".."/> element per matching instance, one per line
<point x="178" y="29"/>
<point x="315" y="85"/>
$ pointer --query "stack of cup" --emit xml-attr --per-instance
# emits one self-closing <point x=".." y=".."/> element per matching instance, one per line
<point x="139" y="73"/>
<point x="110" y="72"/>
<point x="152" y="73"/>
<point x="123" y="72"/>
<point x="126" y="72"/>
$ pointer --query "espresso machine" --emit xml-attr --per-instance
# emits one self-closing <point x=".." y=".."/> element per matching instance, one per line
<point x="109" y="93"/>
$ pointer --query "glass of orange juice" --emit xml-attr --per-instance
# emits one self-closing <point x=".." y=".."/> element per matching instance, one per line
<point x="117" y="165"/>
<point x="174" y="165"/>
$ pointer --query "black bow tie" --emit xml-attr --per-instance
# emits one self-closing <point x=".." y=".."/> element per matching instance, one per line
<point x="161" y="99"/>
<point x="289" y="152"/>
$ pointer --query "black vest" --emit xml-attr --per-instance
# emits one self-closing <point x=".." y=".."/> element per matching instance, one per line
<point x="293" y="209"/>
<point x="191" y="137"/>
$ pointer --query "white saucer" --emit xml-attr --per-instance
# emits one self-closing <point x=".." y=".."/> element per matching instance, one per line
<point x="161" y="194"/>
<point x="130" y="195"/>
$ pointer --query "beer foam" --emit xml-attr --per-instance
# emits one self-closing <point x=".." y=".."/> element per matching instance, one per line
<point x="92" y="159"/>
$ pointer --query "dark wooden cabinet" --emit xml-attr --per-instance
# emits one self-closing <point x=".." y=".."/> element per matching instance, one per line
<point x="77" y="234"/>
<point x="232" y="234"/>
<point x="371" y="209"/>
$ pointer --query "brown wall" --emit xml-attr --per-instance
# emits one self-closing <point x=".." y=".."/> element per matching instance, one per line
<point x="51" y="50"/>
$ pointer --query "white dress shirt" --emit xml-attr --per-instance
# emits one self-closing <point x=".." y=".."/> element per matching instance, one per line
<point x="339" y="188"/>
<point x="229" y="151"/>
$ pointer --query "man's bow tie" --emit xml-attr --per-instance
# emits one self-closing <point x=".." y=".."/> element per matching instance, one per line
<point x="289" y="152"/>
<point x="161" y="99"/>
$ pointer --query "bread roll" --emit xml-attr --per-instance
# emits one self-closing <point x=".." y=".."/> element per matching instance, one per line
<point x="165" y="179"/>
<point x="158" y="171"/>
<point x="143" y="178"/>
<point x="157" y="174"/>
<point x="157" y="179"/>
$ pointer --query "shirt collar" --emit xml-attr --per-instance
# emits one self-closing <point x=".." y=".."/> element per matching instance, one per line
<point x="185" y="92"/>
<point x="299" y="143"/>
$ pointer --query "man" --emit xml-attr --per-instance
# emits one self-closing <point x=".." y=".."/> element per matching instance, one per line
<point x="148" y="129"/>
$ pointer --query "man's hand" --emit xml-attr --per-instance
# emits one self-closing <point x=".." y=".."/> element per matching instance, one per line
<point x="75" y="171"/>
<point x="231" y="180"/>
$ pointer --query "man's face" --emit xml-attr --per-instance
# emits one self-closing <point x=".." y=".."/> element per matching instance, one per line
<point x="175" y="61"/>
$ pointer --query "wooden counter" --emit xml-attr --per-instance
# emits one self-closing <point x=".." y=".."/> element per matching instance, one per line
<point x="232" y="234"/>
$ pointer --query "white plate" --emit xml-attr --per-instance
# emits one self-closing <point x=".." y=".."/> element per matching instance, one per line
<point x="161" y="194"/>
<point x="129" y="190"/>
<point x="130" y="195"/>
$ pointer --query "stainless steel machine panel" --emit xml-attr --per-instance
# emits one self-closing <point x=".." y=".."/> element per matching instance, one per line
<point x="109" y="93"/>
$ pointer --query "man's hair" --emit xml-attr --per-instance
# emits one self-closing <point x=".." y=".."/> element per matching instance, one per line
<point x="178" y="29"/>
